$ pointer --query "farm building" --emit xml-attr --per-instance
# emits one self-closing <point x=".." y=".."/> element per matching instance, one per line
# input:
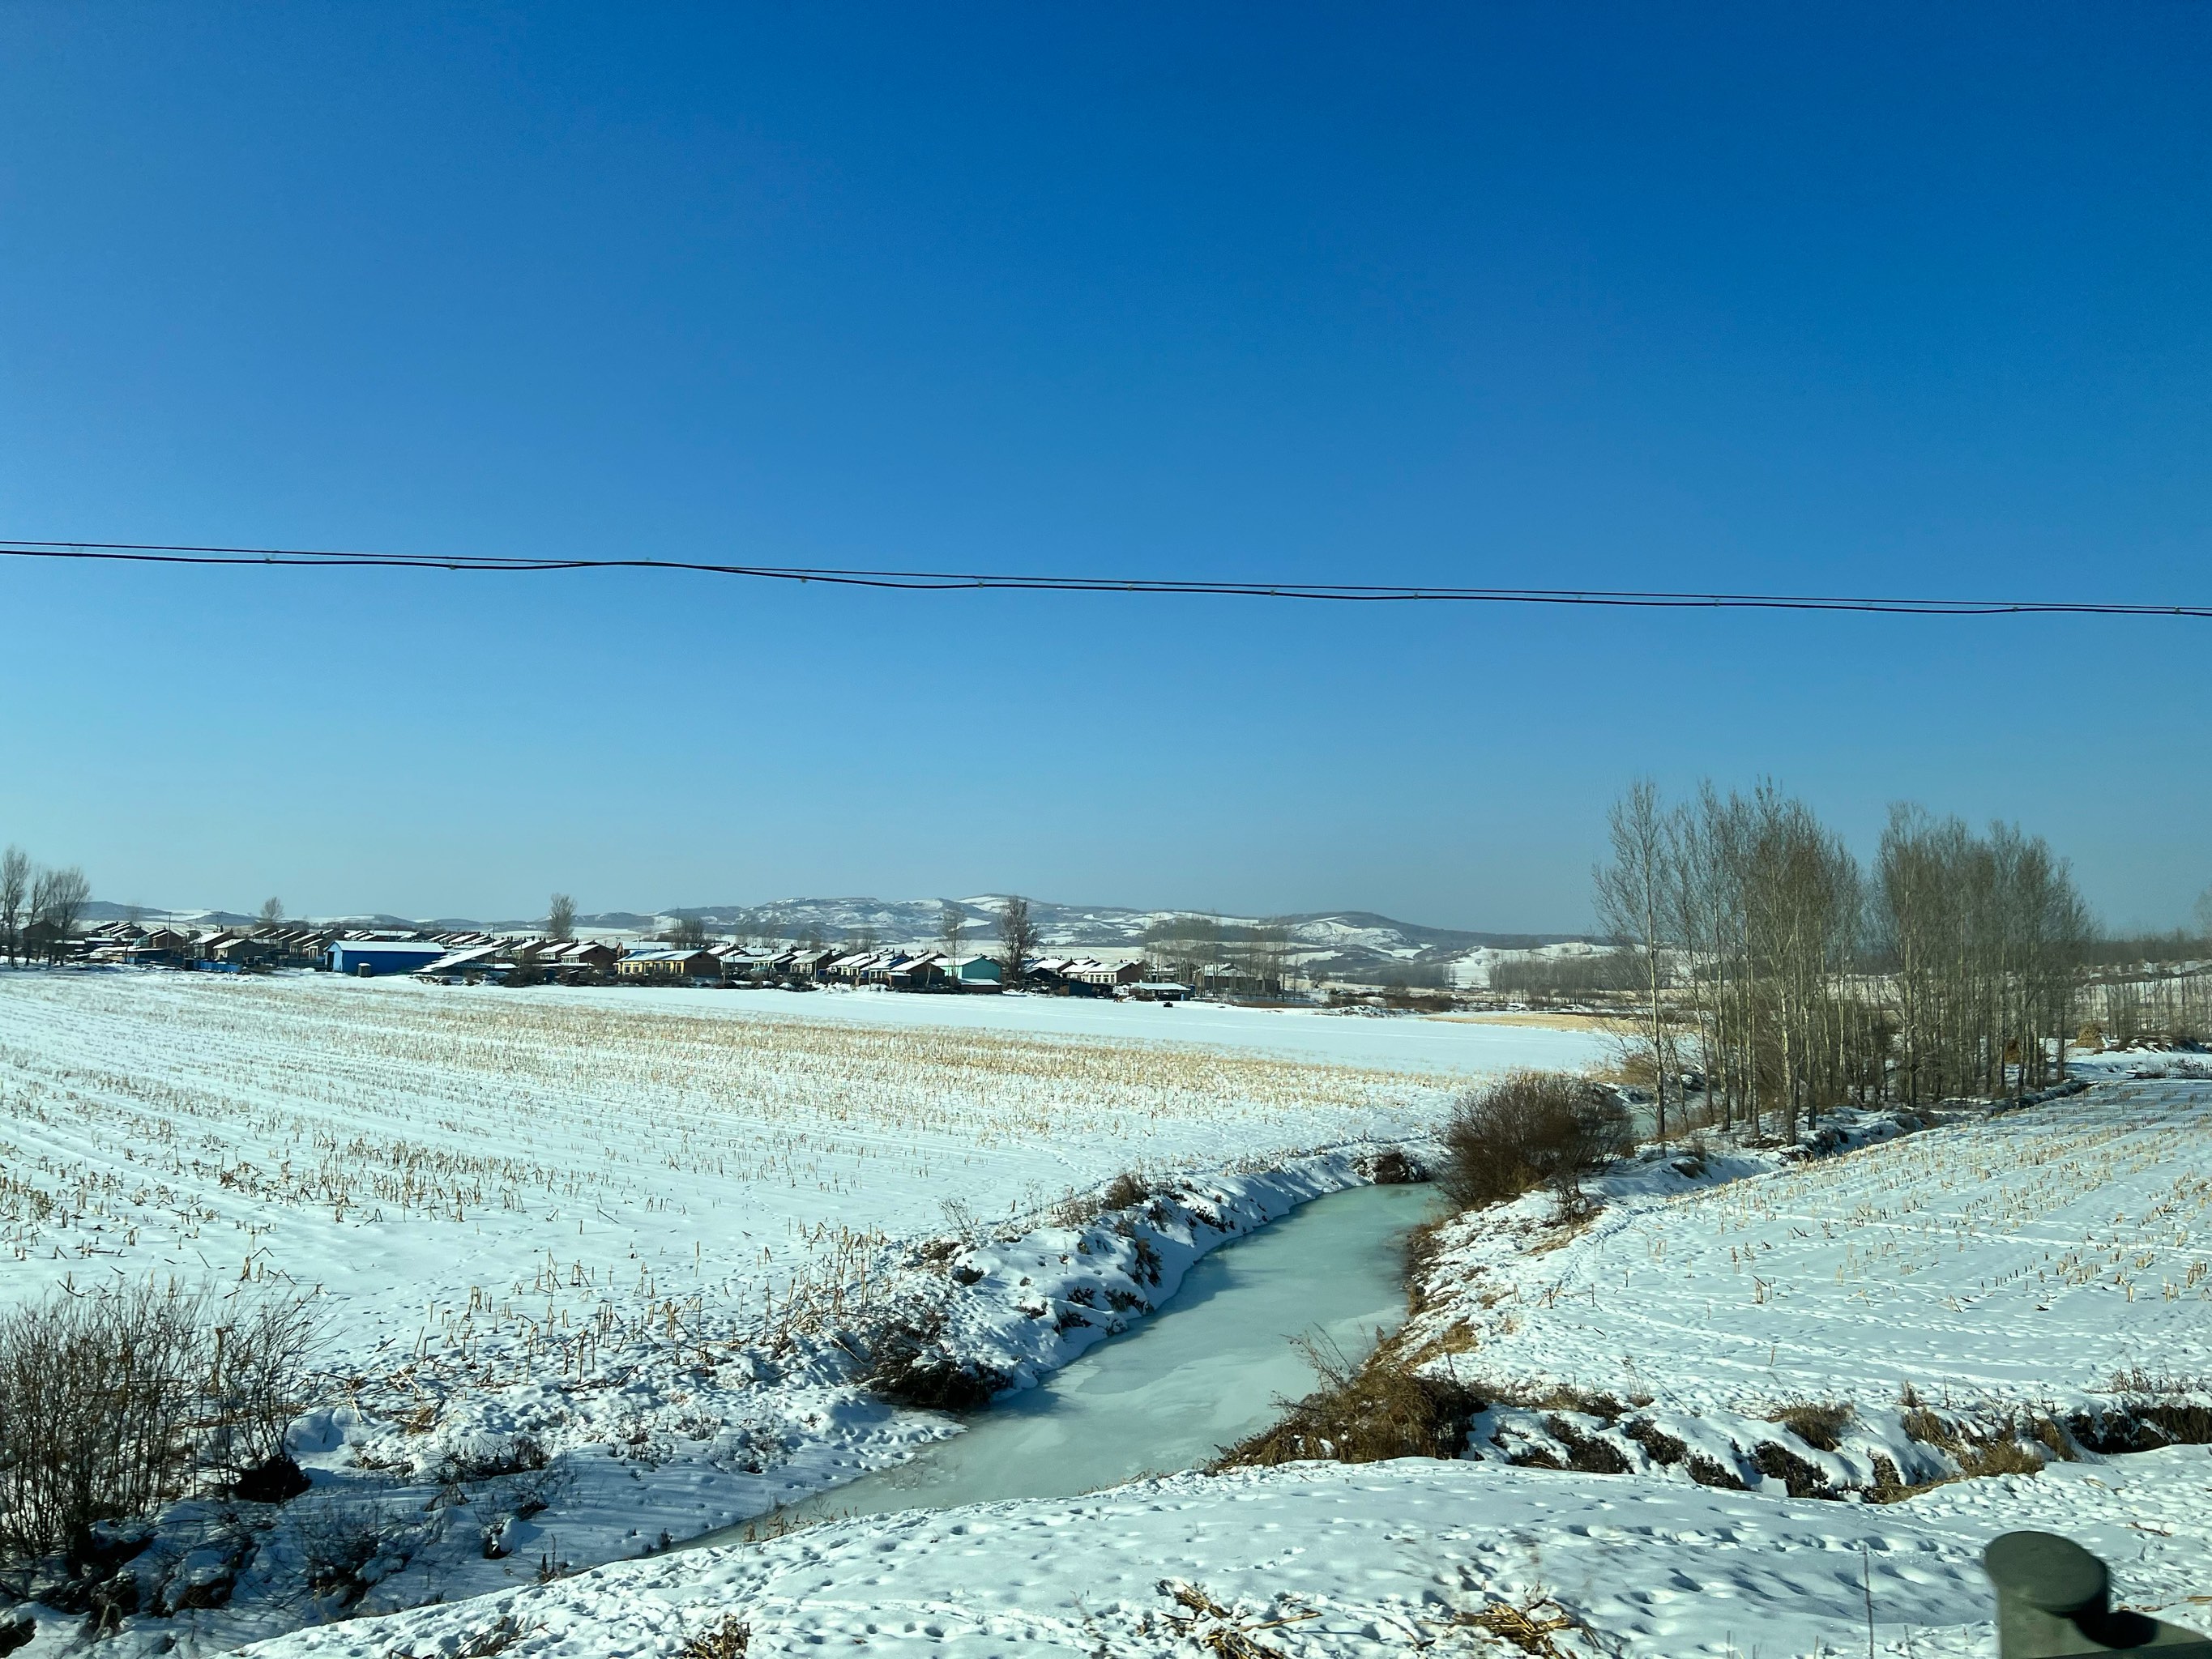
<point x="669" y="962"/>
<point x="472" y="962"/>
<point x="1082" y="977"/>
<point x="1103" y="975"/>
<point x="246" y="950"/>
<point x="368" y="956"/>
<point x="569" y="957"/>
<point x="927" y="972"/>
<point x="980" y="973"/>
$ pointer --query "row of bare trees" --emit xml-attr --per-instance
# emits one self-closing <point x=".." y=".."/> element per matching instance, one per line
<point x="39" y="909"/>
<point x="1793" y="979"/>
<point x="1194" y="948"/>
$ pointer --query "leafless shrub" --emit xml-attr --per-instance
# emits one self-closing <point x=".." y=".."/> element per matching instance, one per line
<point x="489" y="1459"/>
<point x="115" y="1402"/>
<point x="96" y="1406"/>
<point x="1362" y="1413"/>
<point x="909" y="1365"/>
<point x="1531" y="1129"/>
<point x="255" y="1377"/>
<point x="1816" y="1423"/>
<point x="337" y="1540"/>
<point x="1125" y="1192"/>
<point x="1393" y="1167"/>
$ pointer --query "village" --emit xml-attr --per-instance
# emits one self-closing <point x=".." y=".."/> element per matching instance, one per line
<point x="478" y="958"/>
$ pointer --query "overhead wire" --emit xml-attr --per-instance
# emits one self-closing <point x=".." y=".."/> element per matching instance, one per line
<point x="951" y="581"/>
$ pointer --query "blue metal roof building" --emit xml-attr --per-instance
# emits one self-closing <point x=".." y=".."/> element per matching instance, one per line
<point x="368" y="956"/>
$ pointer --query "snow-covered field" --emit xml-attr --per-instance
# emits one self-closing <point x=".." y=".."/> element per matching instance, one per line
<point x="2019" y="1260"/>
<point x="2002" y="1265"/>
<point x="630" y="1232"/>
<point x="1389" y="1558"/>
<point x="632" y="1235"/>
<point x="449" y="1163"/>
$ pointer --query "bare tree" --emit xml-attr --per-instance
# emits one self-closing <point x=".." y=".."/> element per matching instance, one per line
<point x="15" y="896"/>
<point x="951" y="928"/>
<point x="689" y="931"/>
<point x="272" y="915"/>
<point x="1634" y="905"/>
<point x="561" y="917"/>
<point x="58" y="902"/>
<point x="1018" y="939"/>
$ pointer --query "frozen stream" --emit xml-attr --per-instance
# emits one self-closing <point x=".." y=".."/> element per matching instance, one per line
<point x="1204" y="1372"/>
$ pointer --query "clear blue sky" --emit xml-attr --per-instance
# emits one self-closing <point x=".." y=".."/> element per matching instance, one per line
<point x="1902" y="300"/>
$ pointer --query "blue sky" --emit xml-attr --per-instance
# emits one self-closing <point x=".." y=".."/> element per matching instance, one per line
<point x="1900" y="300"/>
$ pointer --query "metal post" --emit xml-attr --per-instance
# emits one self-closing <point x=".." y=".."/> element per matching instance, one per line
<point x="2054" y="1602"/>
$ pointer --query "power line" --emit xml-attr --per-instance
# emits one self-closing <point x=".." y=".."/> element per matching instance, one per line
<point x="953" y="581"/>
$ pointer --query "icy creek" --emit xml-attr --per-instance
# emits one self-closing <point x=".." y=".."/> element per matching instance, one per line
<point x="1205" y="1370"/>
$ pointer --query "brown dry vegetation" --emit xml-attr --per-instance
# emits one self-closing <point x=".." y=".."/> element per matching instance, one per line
<point x="1365" y="1413"/>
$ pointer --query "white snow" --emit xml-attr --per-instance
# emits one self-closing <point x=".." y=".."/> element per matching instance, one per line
<point x="622" y="1178"/>
<point x="1381" y="1558"/>
<point x="630" y="1231"/>
<point x="424" y="1154"/>
<point x="2022" y="1260"/>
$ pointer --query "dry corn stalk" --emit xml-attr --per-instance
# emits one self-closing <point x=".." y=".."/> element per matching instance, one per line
<point x="1529" y="1628"/>
<point x="1216" y="1629"/>
<point x="727" y="1640"/>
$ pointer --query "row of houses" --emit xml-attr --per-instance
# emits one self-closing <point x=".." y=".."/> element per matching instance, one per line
<point x="164" y="945"/>
<point x="509" y="960"/>
<point x="463" y="957"/>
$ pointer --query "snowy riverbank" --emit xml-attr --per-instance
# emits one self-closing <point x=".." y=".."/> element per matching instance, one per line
<point x="597" y="1273"/>
<point x="1945" y="1239"/>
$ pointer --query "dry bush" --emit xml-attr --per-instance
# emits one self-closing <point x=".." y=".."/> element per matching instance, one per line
<point x="1362" y="1413"/>
<point x="1820" y="1423"/>
<point x="116" y="1402"/>
<point x="521" y="1454"/>
<point x="2152" y="1410"/>
<point x="96" y="1402"/>
<point x="1998" y="1456"/>
<point x="337" y="1540"/>
<point x="255" y="1373"/>
<point x="1531" y="1129"/>
<point x="1126" y="1191"/>
<point x="730" y="1639"/>
<point x="908" y="1365"/>
<point x="1394" y="1167"/>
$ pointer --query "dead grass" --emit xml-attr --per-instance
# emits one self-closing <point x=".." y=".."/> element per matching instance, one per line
<point x="2008" y="1447"/>
<point x="1530" y="1625"/>
<point x="1818" y="1424"/>
<point x="1362" y="1413"/>
<point x="1217" y="1629"/>
<point x="729" y="1639"/>
<point x="908" y="1365"/>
